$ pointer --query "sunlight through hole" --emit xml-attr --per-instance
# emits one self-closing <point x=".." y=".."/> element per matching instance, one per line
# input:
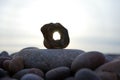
<point x="56" y="35"/>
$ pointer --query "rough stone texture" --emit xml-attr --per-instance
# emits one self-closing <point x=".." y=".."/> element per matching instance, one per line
<point x="46" y="59"/>
<point x="86" y="74"/>
<point x="90" y="60"/>
<point x="58" y="73"/>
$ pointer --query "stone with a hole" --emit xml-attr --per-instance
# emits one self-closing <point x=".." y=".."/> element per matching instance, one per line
<point x="49" y="30"/>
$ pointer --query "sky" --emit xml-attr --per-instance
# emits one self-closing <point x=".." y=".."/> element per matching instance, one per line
<point x="93" y="25"/>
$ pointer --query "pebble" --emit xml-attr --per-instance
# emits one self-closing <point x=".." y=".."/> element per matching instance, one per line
<point x="22" y="72"/>
<point x="59" y="73"/>
<point x="3" y="73"/>
<point x="4" y="56"/>
<point x="46" y="59"/>
<point x="107" y="75"/>
<point x="90" y="60"/>
<point x="32" y="63"/>
<point x="14" y="65"/>
<point x="2" y="59"/>
<point x="7" y="78"/>
<point x="69" y="78"/>
<point x="31" y="77"/>
<point x="113" y="66"/>
<point x="86" y="74"/>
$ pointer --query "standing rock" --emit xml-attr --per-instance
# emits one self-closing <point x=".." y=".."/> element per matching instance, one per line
<point x="88" y="60"/>
<point x="49" y="42"/>
<point x="59" y="73"/>
<point x="46" y="59"/>
<point x="86" y="74"/>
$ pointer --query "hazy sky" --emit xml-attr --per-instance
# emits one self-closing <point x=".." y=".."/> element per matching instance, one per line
<point x="92" y="24"/>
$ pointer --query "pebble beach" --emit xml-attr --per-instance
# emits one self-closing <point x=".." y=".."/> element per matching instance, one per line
<point x="58" y="64"/>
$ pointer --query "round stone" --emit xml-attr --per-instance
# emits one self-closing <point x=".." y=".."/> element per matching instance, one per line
<point x="86" y="74"/>
<point x="6" y="65"/>
<point x="107" y="75"/>
<point x="31" y="77"/>
<point x="59" y="73"/>
<point x="4" y="53"/>
<point x="14" y="65"/>
<point x="22" y="72"/>
<point x="46" y="59"/>
<point x="3" y="73"/>
<point x="69" y="78"/>
<point x="2" y="59"/>
<point x="7" y="78"/>
<point x="4" y="56"/>
<point x="113" y="66"/>
<point x="90" y="60"/>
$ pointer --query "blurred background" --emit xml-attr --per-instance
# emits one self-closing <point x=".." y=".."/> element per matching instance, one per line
<point x="93" y="25"/>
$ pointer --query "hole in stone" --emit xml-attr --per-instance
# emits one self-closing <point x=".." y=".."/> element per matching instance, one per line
<point x="56" y="35"/>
